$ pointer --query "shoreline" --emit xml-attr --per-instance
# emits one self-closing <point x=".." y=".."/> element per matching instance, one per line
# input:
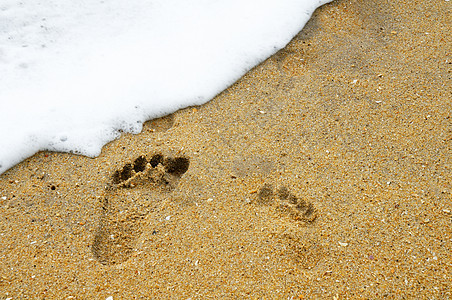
<point x="352" y="117"/>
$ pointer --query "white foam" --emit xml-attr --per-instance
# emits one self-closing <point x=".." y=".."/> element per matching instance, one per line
<point x="74" y="74"/>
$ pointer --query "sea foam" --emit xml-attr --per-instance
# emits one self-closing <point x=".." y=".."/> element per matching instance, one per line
<point x="74" y="74"/>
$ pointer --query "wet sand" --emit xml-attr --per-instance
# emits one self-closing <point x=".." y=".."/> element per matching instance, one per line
<point x="325" y="172"/>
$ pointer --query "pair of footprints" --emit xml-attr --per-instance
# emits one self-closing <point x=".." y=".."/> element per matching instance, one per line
<point x="138" y="188"/>
<point x="135" y="191"/>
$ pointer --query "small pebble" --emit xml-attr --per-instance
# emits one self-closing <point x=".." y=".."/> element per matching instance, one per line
<point x="343" y="244"/>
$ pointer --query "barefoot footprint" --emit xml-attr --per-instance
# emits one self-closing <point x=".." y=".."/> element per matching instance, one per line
<point x="287" y="204"/>
<point x="135" y="190"/>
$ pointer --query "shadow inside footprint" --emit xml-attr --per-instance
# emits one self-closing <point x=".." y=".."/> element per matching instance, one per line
<point x="139" y="165"/>
<point x="176" y="166"/>
<point x="265" y="194"/>
<point x="135" y="190"/>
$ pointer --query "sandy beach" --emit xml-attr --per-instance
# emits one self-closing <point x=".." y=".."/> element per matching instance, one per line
<point x="324" y="173"/>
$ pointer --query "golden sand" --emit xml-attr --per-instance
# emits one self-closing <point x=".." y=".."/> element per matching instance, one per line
<point x="324" y="173"/>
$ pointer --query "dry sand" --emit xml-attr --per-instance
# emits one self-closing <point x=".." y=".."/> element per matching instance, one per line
<point x="353" y="118"/>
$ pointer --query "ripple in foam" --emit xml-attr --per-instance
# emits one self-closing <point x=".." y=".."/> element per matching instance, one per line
<point x="74" y="74"/>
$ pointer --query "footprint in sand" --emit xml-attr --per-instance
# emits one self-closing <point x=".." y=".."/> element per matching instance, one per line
<point x="286" y="203"/>
<point x="304" y="247"/>
<point x="135" y="190"/>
